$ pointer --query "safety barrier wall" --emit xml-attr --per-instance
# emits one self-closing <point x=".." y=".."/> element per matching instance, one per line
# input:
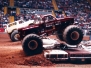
<point x="36" y="10"/>
<point x="2" y="30"/>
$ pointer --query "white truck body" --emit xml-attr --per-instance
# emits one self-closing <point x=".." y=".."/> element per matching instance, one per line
<point x="17" y="24"/>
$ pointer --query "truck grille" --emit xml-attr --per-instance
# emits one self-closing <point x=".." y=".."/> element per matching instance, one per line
<point x="62" y="56"/>
<point x="47" y="56"/>
<point x="53" y="56"/>
<point x="56" y="56"/>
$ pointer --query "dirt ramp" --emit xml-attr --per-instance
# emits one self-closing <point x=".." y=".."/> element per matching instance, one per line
<point x="37" y="60"/>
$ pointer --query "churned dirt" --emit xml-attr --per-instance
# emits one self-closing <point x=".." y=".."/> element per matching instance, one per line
<point x="11" y="53"/>
<point x="12" y="56"/>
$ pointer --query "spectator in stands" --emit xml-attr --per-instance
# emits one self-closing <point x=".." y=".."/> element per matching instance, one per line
<point x="79" y="9"/>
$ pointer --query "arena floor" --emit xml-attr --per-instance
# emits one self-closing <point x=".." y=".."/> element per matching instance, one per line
<point x="12" y="56"/>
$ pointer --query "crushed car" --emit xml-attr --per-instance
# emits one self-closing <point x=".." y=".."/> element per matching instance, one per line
<point x="64" y="51"/>
<point x="52" y="50"/>
<point x="86" y="45"/>
<point x="78" y="54"/>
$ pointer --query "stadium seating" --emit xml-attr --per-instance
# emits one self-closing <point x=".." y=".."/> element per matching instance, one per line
<point x="79" y="9"/>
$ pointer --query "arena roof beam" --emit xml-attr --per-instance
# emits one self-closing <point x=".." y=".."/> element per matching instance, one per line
<point x="89" y="1"/>
<point x="5" y="10"/>
<point x="56" y="8"/>
<point x="54" y="5"/>
<point x="11" y="3"/>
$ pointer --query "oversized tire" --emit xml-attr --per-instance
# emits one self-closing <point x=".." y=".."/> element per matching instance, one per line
<point x="14" y="36"/>
<point x="72" y="35"/>
<point x="32" y="44"/>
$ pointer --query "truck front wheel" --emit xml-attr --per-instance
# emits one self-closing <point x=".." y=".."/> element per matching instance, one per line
<point x="32" y="44"/>
<point x="72" y="35"/>
<point x="14" y="36"/>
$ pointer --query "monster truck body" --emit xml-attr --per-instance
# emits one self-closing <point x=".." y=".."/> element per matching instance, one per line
<point x="12" y="28"/>
<point x="47" y="25"/>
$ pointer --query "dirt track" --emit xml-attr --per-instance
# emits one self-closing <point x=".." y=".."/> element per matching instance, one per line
<point x="12" y="56"/>
<point x="12" y="53"/>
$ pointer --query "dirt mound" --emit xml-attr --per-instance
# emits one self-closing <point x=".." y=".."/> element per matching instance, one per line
<point x="38" y="60"/>
<point x="12" y="53"/>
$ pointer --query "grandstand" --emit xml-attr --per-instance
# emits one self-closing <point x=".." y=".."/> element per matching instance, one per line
<point x="79" y="9"/>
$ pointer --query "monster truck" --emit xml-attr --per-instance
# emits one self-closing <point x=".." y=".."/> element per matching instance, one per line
<point x="45" y="25"/>
<point x="12" y="31"/>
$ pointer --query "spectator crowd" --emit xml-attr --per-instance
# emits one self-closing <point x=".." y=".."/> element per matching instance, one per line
<point x="79" y="9"/>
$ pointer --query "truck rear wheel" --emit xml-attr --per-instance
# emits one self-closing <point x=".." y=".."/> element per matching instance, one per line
<point x="72" y="35"/>
<point x="14" y="36"/>
<point x="32" y="44"/>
